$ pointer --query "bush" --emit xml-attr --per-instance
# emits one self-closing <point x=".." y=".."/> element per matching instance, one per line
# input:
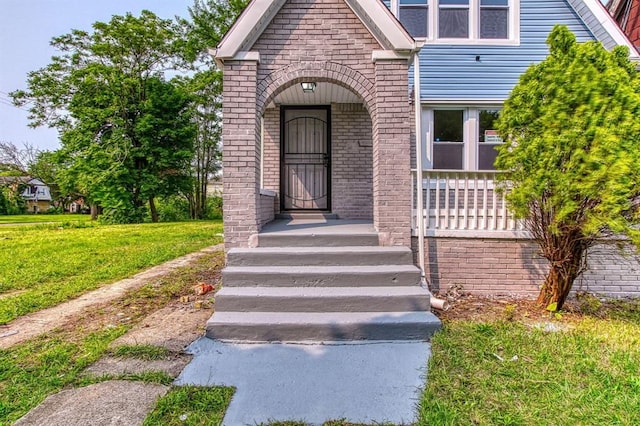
<point x="214" y="207"/>
<point x="173" y="209"/>
<point x="11" y="202"/>
<point x="122" y="214"/>
<point x="54" y="210"/>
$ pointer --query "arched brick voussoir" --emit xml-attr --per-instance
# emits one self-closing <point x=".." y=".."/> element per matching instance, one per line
<point x="279" y="80"/>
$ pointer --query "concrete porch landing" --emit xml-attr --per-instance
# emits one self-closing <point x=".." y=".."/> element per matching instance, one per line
<point x="314" y="230"/>
<point x="367" y="382"/>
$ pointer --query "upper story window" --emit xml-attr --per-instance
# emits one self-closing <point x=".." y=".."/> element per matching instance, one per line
<point x="460" y="21"/>
<point x="453" y="19"/>
<point x="494" y="19"/>
<point x="414" y="15"/>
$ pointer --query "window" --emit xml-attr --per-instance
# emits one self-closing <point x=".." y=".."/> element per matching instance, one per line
<point x="451" y="20"/>
<point x="414" y="16"/>
<point x="494" y="19"/>
<point x="488" y="138"/>
<point x="462" y="138"/>
<point x="448" y="139"/>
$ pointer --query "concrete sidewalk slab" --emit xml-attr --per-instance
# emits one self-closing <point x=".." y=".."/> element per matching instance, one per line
<point x="360" y="382"/>
<point x="110" y="403"/>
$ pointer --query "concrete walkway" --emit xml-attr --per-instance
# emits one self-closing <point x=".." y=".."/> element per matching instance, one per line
<point x="32" y="325"/>
<point x="371" y="383"/>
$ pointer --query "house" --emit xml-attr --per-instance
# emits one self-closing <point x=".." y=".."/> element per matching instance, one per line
<point x="323" y="100"/>
<point x="627" y="15"/>
<point x="37" y="195"/>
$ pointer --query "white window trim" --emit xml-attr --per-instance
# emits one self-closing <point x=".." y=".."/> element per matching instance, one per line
<point x="470" y="153"/>
<point x="474" y="24"/>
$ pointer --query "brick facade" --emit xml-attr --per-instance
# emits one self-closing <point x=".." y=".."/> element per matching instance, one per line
<point x="514" y="267"/>
<point x="240" y="152"/>
<point x="391" y="153"/>
<point x="322" y="41"/>
<point x="352" y="162"/>
<point x="271" y="153"/>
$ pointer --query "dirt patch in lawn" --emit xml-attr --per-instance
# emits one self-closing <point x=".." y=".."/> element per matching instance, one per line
<point x="469" y="307"/>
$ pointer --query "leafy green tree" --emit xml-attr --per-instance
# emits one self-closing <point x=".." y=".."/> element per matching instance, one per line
<point x="572" y="154"/>
<point x="210" y="20"/>
<point x="125" y="130"/>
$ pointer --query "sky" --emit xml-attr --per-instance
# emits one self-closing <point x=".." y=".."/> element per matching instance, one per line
<point x="27" y="26"/>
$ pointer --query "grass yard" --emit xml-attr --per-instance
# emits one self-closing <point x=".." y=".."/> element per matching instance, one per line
<point x="32" y="371"/>
<point x="511" y="372"/>
<point x="43" y="265"/>
<point x="43" y="218"/>
<point x="191" y="406"/>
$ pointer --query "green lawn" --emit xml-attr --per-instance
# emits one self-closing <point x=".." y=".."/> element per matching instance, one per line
<point x="31" y="371"/>
<point x="43" y="218"/>
<point x="588" y="374"/>
<point x="41" y="266"/>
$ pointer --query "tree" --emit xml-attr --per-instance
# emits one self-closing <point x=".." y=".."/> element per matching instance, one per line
<point x="125" y="130"/>
<point x="15" y="160"/>
<point x="572" y="154"/>
<point x="210" y="20"/>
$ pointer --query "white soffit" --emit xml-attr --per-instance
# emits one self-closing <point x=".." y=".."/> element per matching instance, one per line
<point x="326" y="93"/>
<point x="607" y="22"/>
<point x="254" y="20"/>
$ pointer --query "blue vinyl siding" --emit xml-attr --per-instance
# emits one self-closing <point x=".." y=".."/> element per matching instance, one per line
<point x="451" y="72"/>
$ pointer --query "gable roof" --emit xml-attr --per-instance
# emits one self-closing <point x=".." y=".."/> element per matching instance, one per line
<point x="602" y="25"/>
<point x="258" y="14"/>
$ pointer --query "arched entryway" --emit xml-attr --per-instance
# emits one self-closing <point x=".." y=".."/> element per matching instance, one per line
<point x="317" y="147"/>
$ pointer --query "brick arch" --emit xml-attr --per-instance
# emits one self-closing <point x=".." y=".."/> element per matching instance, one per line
<point x="279" y="80"/>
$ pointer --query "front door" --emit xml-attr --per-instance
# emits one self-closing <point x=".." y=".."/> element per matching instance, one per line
<point x="305" y="158"/>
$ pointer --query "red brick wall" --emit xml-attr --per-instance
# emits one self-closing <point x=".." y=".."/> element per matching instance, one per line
<point x="633" y="25"/>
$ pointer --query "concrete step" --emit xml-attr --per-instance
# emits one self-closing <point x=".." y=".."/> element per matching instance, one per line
<point x="319" y="256"/>
<point x="313" y="239"/>
<point x="322" y="299"/>
<point x="320" y="276"/>
<point x="332" y="326"/>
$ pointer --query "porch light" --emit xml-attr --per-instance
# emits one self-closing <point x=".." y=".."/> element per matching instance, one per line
<point x="308" y="86"/>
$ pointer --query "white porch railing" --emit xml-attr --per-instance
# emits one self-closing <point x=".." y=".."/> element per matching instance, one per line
<point x="463" y="201"/>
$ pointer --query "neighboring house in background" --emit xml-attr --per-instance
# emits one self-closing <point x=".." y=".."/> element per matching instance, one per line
<point x="323" y="100"/>
<point x="78" y="206"/>
<point x="627" y="15"/>
<point x="38" y="195"/>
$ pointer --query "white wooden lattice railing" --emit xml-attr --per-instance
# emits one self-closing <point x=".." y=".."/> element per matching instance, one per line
<point x="455" y="200"/>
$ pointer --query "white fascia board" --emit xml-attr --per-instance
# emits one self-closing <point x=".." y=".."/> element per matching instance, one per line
<point x="386" y="55"/>
<point x="610" y="26"/>
<point x="383" y="25"/>
<point x="247" y="28"/>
